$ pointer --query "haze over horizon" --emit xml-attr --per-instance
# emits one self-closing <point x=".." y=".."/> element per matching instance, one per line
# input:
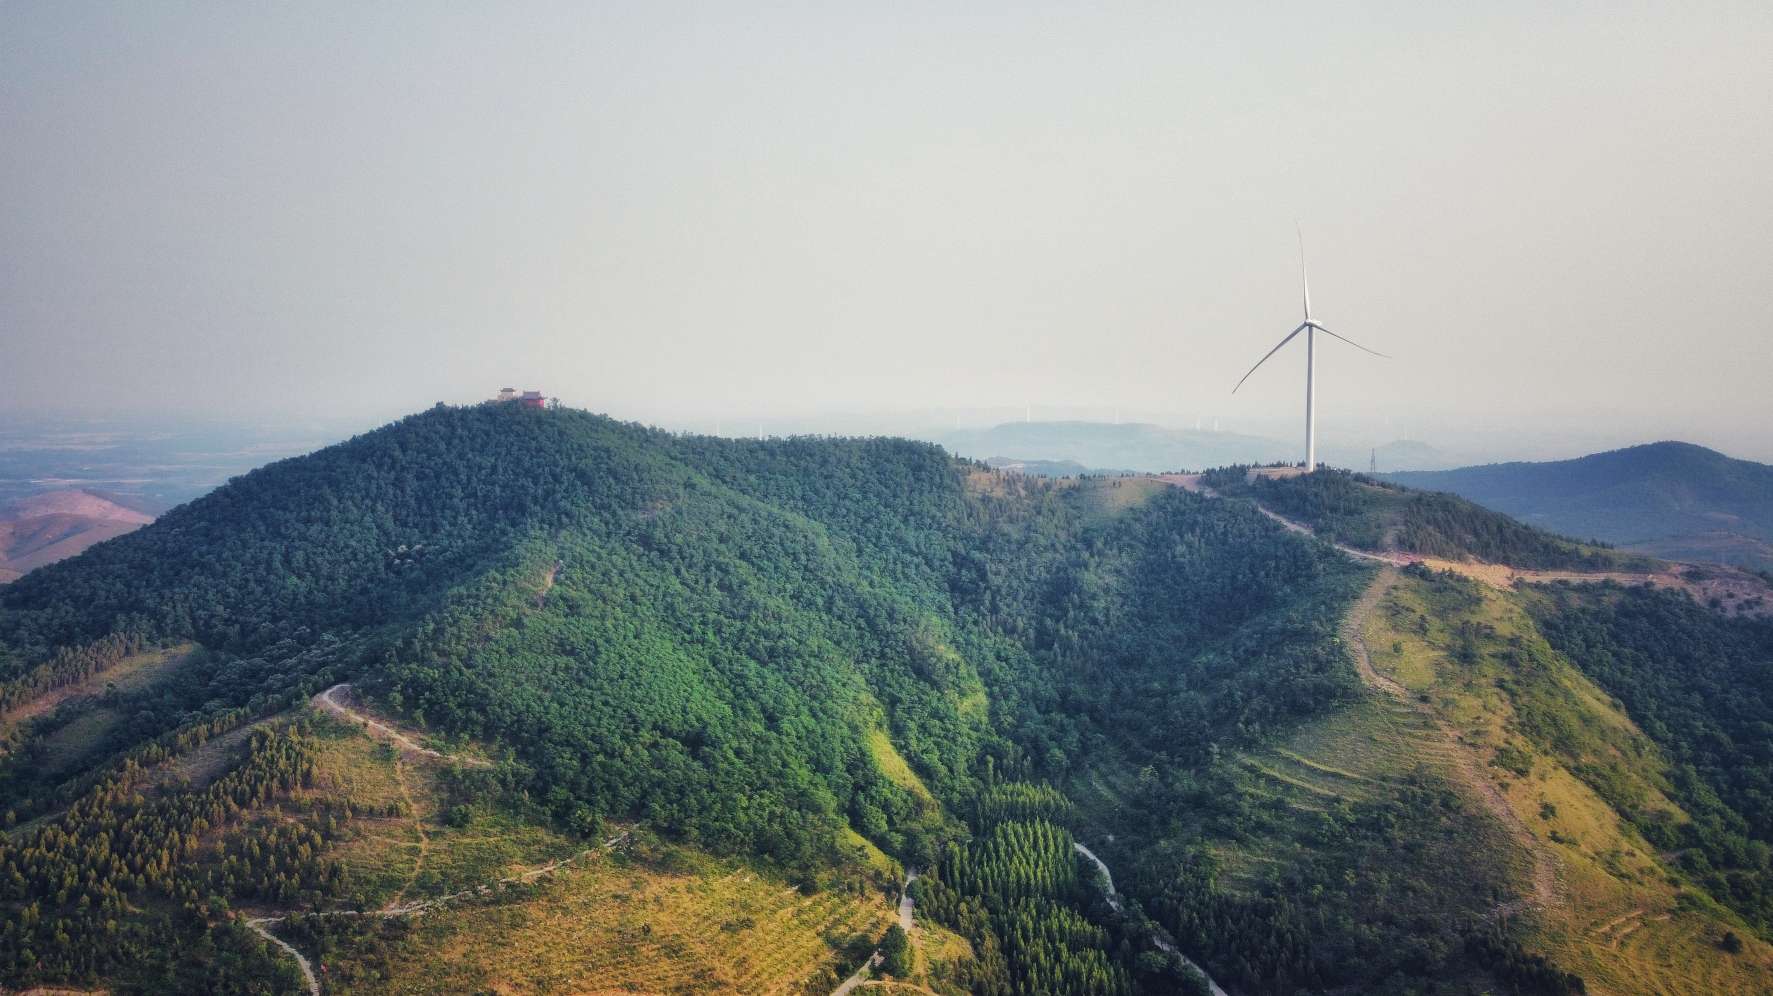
<point x="1556" y="222"/>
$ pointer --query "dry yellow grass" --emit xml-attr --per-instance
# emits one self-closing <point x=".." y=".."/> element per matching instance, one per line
<point x="677" y="921"/>
<point x="609" y="926"/>
<point x="1109" y="495"/>
<point x="411" y="854"/>
<point x="938" y="952"/>
<point x="862" y="852"/>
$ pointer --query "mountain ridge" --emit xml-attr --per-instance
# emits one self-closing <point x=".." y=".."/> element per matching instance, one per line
<point x="1671" y="498"/>
<point x="820" y="662"/>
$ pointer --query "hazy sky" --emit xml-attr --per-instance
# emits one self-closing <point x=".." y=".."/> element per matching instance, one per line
<point x="1558" y="218"/>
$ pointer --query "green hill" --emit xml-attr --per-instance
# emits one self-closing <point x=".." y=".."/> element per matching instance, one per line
<point x="1668" y="499"/>
<point x="701" y="700"/>
<point x="703" y="636"/>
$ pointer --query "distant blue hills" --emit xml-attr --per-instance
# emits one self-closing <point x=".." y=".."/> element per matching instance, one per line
<point x="1669" y="499"/>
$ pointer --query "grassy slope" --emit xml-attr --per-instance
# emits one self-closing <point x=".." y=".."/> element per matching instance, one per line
<point x="665" y="920"/>
<point x="70" y="726"/>
<point x="133" y="673"/>
<point x="1443" y="866"/>
<point x="647" y="917"/>
<point x="1623" y="918"/>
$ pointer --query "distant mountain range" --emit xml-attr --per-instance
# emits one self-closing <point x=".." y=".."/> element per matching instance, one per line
<point x="1060" y="448"/>
<point x="1670" y="499"/>
<point x="54" y="525"/>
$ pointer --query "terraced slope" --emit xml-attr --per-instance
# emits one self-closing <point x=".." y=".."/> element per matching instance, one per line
<point x="1557" y="760"/>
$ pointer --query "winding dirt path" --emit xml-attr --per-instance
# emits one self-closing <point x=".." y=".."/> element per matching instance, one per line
<point x="1734" y="590"/>
<point x="1163" y="943"/>
<point x="258" y="927"/>
<point x="861" y="977"/>
<point x="329" y="701"/>
<point x="1466" y="768"/>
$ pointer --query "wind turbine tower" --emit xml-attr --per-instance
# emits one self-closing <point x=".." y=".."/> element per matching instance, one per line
<point x="1311" y="328"/>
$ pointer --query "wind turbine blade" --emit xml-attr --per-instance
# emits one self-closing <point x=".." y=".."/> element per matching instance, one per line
<point x="1271" y="352"/>
<point x="1346" y="339"/>
<point x="1304" y="274"/>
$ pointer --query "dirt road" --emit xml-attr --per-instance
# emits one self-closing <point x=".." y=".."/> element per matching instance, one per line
<point x="1162" y="943"/>
<point x="1466" y="768"/>
<point x="1737" y="592"/>
<point x="905" y="903"/>
<point x="329" y="701"/>
<point x="258" y="926"/>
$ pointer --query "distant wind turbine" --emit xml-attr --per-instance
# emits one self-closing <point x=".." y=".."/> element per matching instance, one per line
<point x="1310" y="327"/>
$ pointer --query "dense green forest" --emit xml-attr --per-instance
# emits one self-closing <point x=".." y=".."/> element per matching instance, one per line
<point x="1373" y="514"/>
<point x="714" y="638"/>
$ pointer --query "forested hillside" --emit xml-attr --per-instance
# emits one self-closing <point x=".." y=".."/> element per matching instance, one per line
<point x="692" y="664"/>
<point x="1701" y="686"/>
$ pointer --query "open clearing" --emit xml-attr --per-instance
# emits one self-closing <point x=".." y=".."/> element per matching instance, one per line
<point x="611" y="925"/>
<point x="504" y="904"/>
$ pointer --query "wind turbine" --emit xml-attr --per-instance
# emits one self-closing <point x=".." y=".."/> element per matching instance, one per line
<point x="1311" y="328"/>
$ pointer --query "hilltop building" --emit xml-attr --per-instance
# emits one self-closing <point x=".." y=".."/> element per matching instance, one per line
<point x="528" y="399"/>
